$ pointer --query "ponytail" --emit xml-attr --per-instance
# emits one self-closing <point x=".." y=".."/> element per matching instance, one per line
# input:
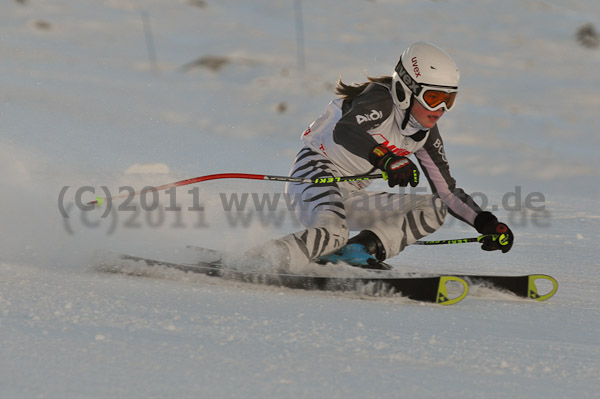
<point x="352" y="91"/>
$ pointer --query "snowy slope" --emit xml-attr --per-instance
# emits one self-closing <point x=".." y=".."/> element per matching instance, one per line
<point x="83" y="104"/>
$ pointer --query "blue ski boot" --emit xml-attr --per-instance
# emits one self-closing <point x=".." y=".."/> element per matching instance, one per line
<point x="359" y="252"/>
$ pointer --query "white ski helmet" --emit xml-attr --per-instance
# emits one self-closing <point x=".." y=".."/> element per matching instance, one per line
<point x="426" y="72"/>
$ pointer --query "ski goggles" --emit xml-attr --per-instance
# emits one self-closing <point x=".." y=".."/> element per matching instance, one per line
<point x="434" y="98"/>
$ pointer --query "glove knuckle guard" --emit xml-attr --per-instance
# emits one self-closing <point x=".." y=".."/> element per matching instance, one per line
<point x="399" y="169"/>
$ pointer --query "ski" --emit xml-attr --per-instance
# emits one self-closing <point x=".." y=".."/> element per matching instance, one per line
<point x="523" y="286"/>
<point x="432" y="289"/>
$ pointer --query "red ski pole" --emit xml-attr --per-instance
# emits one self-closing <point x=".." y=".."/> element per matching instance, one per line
<point x="318" y="180"/>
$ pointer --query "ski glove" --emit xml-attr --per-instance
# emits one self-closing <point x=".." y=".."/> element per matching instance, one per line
<point x="497" y="235"/>
<point x="398" y="170"/>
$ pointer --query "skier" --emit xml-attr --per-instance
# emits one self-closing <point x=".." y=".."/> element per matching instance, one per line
<point x="373" y="126"/>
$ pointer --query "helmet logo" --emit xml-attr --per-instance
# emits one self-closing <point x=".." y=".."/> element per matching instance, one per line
<point x="416" y="67"/>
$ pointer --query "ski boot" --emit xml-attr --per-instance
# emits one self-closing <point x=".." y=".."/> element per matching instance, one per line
<point x="365" y="250"/>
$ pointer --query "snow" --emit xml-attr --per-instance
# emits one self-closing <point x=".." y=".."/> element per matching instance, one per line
<point x="83" y="105"/>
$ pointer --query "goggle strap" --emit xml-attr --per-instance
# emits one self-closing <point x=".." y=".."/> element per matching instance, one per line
<point x="408" y="80"/>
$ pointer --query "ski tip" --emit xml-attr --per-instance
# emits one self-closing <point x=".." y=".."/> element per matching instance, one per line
<point x="532" y="289"/>
<point x="443" y="297"/>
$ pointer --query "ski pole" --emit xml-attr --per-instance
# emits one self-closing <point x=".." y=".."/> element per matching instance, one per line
<point x="317" y="180"/>
<point x="457" y="240"/>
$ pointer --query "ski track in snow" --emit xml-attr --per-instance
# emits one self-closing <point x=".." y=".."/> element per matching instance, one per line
<point x="84" y="106"/>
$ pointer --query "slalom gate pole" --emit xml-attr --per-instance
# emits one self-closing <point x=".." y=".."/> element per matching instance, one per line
<point x="318" y="180"/>
<point x="456" y="240"/>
